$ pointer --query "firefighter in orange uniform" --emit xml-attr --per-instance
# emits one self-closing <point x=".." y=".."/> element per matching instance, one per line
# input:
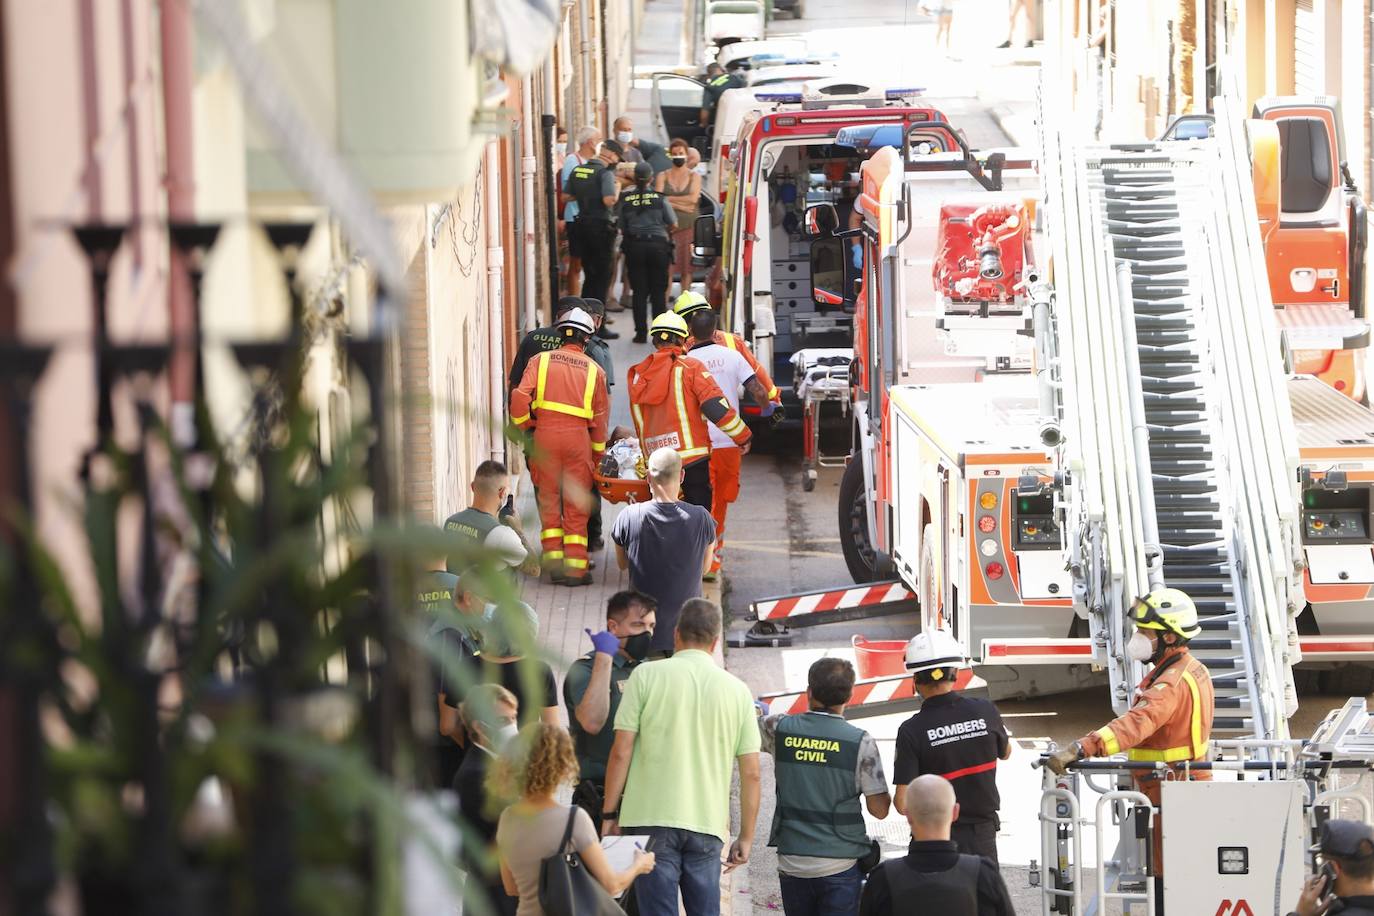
<point x="689" y="302"/>
<point x="1170" y="720"/>
<point x="672" y="398"/>
<point x="562" y="396"/>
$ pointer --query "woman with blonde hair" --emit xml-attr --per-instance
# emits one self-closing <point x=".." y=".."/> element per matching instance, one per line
<point x="540" y="763"/>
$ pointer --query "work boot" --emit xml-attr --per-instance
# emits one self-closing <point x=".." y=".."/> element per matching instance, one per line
<point x="606" y="333"/>
<point x="576" y="581"/>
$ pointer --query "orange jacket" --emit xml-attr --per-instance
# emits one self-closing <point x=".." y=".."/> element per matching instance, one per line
<point x="562" y="389"/>
<point x="735" y="342"/>
<point x="1170" y="720"/>
<point x="672" y="397"/>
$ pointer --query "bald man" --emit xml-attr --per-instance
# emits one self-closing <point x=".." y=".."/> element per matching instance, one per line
<point x="933" y="871"/>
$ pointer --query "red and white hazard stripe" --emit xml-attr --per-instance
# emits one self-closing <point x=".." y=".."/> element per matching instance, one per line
<point x="858" y="596"/>
<point x="1336" y="648"/>
<point x="868" y="692"/>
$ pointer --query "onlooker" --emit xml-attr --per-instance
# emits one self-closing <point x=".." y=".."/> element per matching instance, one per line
<point x="594" y="685"/>
<point x="1022" y="9"/>
<point x="665" y="544"/>
<point x="681" y="726"/>
<point x="509" y="635"/>
<point x="489" y="714"/>
<point x="1347" y="847"/>
<point x="533" y="828"/>
<point x="587" y="140"/>
<point x="682" y="187"/>
<point x="934" y="871"/>
<point x="470" y="527"/>
<point x="637" y="150"/>
<point x="436" y="602"/>
<point x="824" y="765"/>
<point x="943" y="11"/>
<point x="456" y="642"/>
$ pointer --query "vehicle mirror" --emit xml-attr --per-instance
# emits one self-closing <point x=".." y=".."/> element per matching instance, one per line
<point x="705" y="242"/>
<point x="828" y="272"/>
<point x="821" y="221"/>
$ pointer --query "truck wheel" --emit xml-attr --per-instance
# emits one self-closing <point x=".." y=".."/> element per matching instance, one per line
<point x="859" y="554"/>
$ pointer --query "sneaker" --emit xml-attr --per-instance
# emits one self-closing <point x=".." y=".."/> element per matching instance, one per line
<point x="614" y="305"/>
<point x="1005" y="44"/>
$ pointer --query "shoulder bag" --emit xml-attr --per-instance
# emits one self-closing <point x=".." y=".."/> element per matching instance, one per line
<point x="566" y="888"/>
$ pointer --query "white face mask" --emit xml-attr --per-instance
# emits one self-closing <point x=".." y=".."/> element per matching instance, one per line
<point x="624" y="136"/>
<point x="1139" y="648"/>
<point x="598" y="149"/>
<point x="700" y="169"/>
<point x="505" y="735"/>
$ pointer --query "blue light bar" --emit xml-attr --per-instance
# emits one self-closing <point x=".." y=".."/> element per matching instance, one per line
<point x="778" y="96"/>
<point x="904" y="92"/>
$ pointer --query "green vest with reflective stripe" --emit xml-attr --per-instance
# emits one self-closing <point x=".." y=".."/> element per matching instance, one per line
<point x="818" y="813"/>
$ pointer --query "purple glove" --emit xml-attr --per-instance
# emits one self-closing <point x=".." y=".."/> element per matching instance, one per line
<point x="605" y="642"/>
<point x="761" y="707"/>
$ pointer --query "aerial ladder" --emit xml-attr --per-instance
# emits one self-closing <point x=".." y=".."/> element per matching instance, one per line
<point x="1163" y="389"/>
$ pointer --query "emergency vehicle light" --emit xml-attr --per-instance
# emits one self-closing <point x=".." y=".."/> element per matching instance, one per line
<point x="994" y="571"/>
<point x="988" y="500"/>
<point x="784" y="97"/>
<point x="895" y="94"/>
<point x="987" y="524"/>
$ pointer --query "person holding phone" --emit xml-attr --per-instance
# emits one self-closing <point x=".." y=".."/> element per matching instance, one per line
<point x="1345" y="881"/>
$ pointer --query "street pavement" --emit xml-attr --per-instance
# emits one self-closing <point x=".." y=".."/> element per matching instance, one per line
<point x="783" y="540"/>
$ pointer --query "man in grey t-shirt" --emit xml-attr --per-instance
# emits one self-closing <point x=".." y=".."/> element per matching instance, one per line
<point x="665" y="544"/>
<point x="823" y="765"/>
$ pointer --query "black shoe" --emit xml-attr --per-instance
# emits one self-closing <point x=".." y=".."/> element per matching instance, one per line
<point x="1005" y="44"/>
<point x="606" y="333"/>
<point x="640" y="338"/>
<point x="591" y="564"/>
<point x="596" y="544"/>
<point x="575" y="581"/>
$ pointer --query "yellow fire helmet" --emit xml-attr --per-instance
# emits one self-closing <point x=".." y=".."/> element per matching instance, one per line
<point x="690" y="302"/>
<point x="669" y="323"/>
<point x="1167" y="609"/>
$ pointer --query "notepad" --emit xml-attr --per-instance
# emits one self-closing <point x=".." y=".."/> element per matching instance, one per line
<point x="620" y="850"/>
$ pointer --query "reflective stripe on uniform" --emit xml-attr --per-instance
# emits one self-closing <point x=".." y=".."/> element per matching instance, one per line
<point x="520" y="420"/>
<point x="683" y="423"/>
<point x="733" y="426"/>
<point x="585" y="411"/>
<point x="686" y="453"/>
<point x="773" y="393"/>
<point x="731" y="342"/>
<point x="574" y="539"/>
<point x="598" y="446"/>
<point x="969" y="771"/>
<point x="553" y="554"/>
<point x="550" y="533"/>
<point x="1196" y="749"/>
<point x="1109" y="743"/>
<point x="575" y="563"/>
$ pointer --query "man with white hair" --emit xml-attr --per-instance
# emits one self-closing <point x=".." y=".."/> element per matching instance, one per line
<point x="665" y="544"/>
<point x="933" y="871"/>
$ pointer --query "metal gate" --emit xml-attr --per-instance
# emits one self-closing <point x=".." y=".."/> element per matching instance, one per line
<point x="1306" y="56"/>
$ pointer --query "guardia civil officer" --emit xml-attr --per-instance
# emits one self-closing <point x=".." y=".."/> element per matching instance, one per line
<point x="718" y="82"/>
<point x="592" y="184"/>
<point x="647" y="221"/>
<point x="955" y="736"/>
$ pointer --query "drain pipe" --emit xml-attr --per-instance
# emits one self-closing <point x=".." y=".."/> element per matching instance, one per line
<point x="183" y="368"/>
<point x="496" y="349"/>
<point x="585" y="26"/>
<point x="529" y="165"/>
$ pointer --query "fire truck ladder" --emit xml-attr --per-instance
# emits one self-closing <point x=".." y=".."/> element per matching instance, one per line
<point x="1154" y="240"/>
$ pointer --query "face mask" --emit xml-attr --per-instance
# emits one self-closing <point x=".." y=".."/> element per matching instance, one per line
<point x="598" y="150"/>
<point x="637" y="646"/>
<point x="679" y="161"/>
<point x="505" y="735"/>
<point x="624" y="136"/>
<point x="700" y="169"/>
<point x="1139" y="648"/>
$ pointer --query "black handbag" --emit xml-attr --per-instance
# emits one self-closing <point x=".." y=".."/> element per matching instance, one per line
<point x="566" y="888"/>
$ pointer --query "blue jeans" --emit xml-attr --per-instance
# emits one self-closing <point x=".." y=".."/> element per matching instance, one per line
<point x="683" y="859"/>
<point x="833" y="895"/>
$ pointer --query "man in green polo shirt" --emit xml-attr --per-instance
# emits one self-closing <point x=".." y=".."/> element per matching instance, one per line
<point x="595" y="683"/>
<point x="683" y="723"/>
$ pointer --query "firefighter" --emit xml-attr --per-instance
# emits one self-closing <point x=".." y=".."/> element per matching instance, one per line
<point x="955" y="736"/>
<point x="562" y="395"/>
<point x="718" y="82"/>
<point x="672" y="398"/>
<point x="593" y="185"/>
<point x="732" y="373"/>
<point x="1170" y="720"/>
<point x="689" y="303"/>
<point x="647" y="221"/>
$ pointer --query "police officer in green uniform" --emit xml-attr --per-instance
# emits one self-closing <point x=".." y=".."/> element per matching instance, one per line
<point x="592" y="184"/>
<point x="594" y="684"/>
<point x="435" y="599"/>
<point x="717" y="83"/>
<point x="647" y="221"/>
<point x="824" y="766"/>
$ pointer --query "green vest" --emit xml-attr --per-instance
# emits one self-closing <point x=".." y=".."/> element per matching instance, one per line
<point x="584" y="184"/>
<point x="818" y="811"/>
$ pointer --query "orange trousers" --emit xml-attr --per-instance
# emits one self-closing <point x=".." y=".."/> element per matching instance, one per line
<point x="561" y="468"/>
<point x="725" y="463"/>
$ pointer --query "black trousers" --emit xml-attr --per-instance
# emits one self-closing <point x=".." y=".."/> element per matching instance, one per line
<point x="696" y="483"/>
<point x="646" y="261"/>
<point x="596" y="239"/>
<point x="976" y="838"/>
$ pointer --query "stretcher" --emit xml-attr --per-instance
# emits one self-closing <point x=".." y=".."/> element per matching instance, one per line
<point x="820" y="375"/>
<point x="615" y="480"/>
<point x="620" y="489"/>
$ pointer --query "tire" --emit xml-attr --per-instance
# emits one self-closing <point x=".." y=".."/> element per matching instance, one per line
<point x="859" y="553"/>
<point x="1349" y="680"/>
<point x="930" y="601"/>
